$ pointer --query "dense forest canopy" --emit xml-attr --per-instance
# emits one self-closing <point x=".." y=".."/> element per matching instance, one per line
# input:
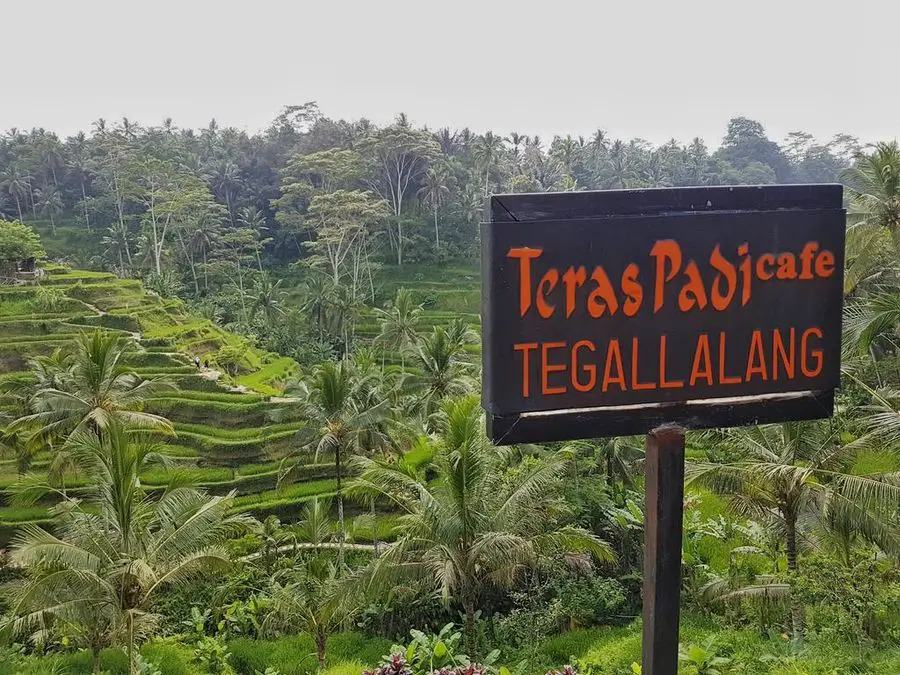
<point x="249" y="424"/>
<point x="162" y="197"/>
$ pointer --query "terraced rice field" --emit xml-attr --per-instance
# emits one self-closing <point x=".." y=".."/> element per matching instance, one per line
<point x="225" y="438"/>
<point x="229" y="431"/>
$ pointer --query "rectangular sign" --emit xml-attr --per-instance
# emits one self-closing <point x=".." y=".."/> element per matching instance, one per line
<point x="679" y="305"/>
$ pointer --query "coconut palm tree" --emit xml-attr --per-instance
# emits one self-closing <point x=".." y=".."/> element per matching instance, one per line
<point x="874" y="187"/>
<point x="95" y="390"/>
<point x="109" y="558"/>
<point x="794" y="472"/>
<point x="50" y="204"/>
<point x="17" y="184"/>
<point x="476" y="524"/>
<point x="445" y="372"/>
<point x="487" y="153"/>
<point x="255" y="221"/>
<point x="433" y="192"/>
<point x="398" y="324"/>
<point x="269" y="299"/>
<point x="337" y="424"/>
<point x="318" y="298"/>
<point x="313" y="598"/>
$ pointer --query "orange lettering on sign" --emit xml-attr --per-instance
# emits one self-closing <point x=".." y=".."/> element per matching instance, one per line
<point x="723" y="378"/>
<point x="525" y="348"/>
<point x="815" y="354"/>
<point x="665" y="251"/>
<point x="524" y="255"/>
<point x="573" y="280"/>
<point x="756" y="361"/>
<point x="589" y="368"/>
<point x="547" y="368"/>
<point x="548" y="283"/>
<point x="722" y="298"/>
<point x="613" y="356"/>
<point x="702" y="353"/>
<point x="780" y="354"/>
<point x="663" y="382"/>
<point x="635" y="385"/>
<point x="634" y="292"/>
<point x="764" y="265"/>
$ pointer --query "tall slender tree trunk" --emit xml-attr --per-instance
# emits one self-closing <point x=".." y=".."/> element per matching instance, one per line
<point x="374" y="526"/>
<point x="132" y="666"/>
<point x="321" y="644"/>
<point x="399" y="242"/>
<point x="797" y="615"/>
<point x="19" y="209"/>
<point x="95" y="659"/>
<point x="30" y="195"/>
<point x="205" y="271"/>
<point x="470" y="626"/>
<point x="87" y="218"/>
<point x="437" y="234"/>
<point x="340" y="502"/>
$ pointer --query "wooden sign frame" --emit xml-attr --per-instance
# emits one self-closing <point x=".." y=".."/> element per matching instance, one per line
<point x="571" y="227"/>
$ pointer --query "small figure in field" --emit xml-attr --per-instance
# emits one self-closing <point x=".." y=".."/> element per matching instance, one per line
<point x="197" y="362"/>
<point x="206" y="363"/>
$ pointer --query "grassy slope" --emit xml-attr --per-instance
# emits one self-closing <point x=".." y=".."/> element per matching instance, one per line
<point x="225" y="439"/>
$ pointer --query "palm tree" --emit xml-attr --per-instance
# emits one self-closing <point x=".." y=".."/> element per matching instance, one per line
<point x="315" y="527"/>
<point x="313" y="599"/>
<point x="433" y="192"/>
<point x="874" y="186"/>
<point x="318" y="298"/>
<point x="269" y="299"/>
<point x="96" y="390"/>
<point x="793" y="471"/>
<point x="398" y="323"/>
<point x="79" y="164"/>
<point x="566" y="150"/>
<point x="255" y="221"/>
<point x="487" y="153"/>
<point x="50" y="204"/>
<point x="476" y="524"/>
<point x="17" y="184"/>
<point x="336" y="424"/>
<point x="445" y="373"/>
<point x="111" y="557"/>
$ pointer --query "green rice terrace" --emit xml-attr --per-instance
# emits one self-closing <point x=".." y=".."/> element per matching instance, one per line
<point x="226" y="437"/>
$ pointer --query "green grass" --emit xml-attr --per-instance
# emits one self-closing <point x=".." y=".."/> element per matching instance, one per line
<point x="270" y="379"/>
<point x="290" y="492"/>
<point x="22" y="514"/>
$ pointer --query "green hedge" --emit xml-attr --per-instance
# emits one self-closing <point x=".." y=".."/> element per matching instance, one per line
<point x="223" y="414"/>
<point x="195" y="382"/>
<point x="155" y="360"/>
<point x="120" y="322"/>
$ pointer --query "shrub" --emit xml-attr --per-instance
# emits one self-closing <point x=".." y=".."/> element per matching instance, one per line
<point x="292" y="655"/>
<point x="213" y="657"/>
<point x="48" y="299"/>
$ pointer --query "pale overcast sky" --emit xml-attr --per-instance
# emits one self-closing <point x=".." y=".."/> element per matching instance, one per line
<point x="650" y="69"/>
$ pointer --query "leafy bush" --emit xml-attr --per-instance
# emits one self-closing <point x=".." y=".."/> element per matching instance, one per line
<point x="855" y="603"/>
<point x="19" y="242"/>
<point x="48" y="299"/>
<point x="213" y="656"/>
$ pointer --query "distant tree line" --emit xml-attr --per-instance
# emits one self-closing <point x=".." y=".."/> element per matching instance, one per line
<point x="197" y="204"/>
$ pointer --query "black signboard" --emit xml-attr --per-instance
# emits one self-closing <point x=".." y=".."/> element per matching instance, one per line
<point x="609" y="313"/>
